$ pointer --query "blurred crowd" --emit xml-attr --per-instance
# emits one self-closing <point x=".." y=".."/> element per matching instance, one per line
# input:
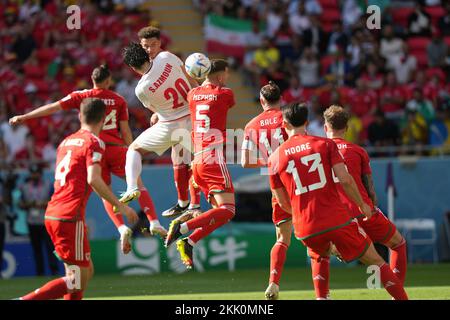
<point x="41" y="61"/>
<point x="394" y="80"/>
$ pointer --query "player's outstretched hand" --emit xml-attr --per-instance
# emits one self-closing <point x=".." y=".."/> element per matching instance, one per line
<point x="154" y="119"/>
<point x="16" y="120"/>
<point x="131" y="215"/>
<point x="367" y="211"/>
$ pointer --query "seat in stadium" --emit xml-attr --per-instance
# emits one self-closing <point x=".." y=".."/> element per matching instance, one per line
<point x="325" y="62"/>
<point x="422" y="58"/>
<point x="435" y="71"/>
<point x="46" y="55"/>
<point x="400" y="15"/>
<point x="418" y="43"/>
<point x="447" y="41"/>
<point x="419" y="232"/>
<point x="435" y="12"/>
<point x="328" y="4"/>
<point x="330" y="15"/>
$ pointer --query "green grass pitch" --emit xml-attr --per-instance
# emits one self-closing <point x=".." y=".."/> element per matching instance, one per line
<point x="423" y="282"/>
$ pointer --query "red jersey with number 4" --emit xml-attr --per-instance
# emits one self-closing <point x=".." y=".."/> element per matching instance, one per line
<point x="74" y="155"/>
<point x="265" y="132"/>
<point x="303" y="166"/>
<point x="116" y="110"/>
<point x="358" y="164"/>
<point x="209" y="105"/>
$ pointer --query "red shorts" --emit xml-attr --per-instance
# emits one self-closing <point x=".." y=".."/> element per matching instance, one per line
<point x="114" y="162"/>
<point x="279" y="215"/>
<point x="379" y="228"/>
<point x="71" y="241"/>
<point x="351" y="242"/>
<point x="212" y="177"/>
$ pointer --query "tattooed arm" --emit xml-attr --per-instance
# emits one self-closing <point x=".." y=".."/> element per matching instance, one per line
<point x="368" y="184"/>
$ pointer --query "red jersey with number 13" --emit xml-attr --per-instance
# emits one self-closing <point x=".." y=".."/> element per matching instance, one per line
<point x="116" y="110"/>
<point x="303" y="166"/>
<point x="74" y="155"/>
<point x="209" y="105"/>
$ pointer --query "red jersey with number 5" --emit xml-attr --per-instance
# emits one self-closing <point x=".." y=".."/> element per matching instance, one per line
<point x="74" y="155"/>
<point x="303" y="166"/>
<point x="116" y="110"/>
<point x="358" y="164"/>
<point x="209" y="105"/>
<point x="265" y="132"/>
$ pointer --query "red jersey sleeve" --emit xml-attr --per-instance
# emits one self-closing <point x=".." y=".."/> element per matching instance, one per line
<point x="365" y="162"/>
<point x="123" y="112"/>
<point x="71" y="101"/>
<point x="94" y="153"/>
<point x="230" y="98"/>
<point x="335" y="155"/>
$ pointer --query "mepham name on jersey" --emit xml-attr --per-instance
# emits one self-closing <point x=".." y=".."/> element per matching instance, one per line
<point x="342" y="145"/>
<point x="200" y="97"/>
<point x="164" y="75"/>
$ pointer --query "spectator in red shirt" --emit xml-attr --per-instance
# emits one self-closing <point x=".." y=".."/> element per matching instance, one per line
<point x="392" y="98"/>
<point x="29" y="154"/>
<point x="373" y="78"/>
<point x="363" y="101"/>
<point x="294" y="92"/>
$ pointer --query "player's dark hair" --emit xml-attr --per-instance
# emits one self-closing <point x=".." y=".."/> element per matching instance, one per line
<point x="295" y="113"/>
<point x="93" y="110"/>
<point x="134" y="55"/>
<point x="337" y="117"/>
<point x="218" y="65"/>
<point x="100" y="73"/>
<point x="271" y="92"/>
<point x="149" y="32"/>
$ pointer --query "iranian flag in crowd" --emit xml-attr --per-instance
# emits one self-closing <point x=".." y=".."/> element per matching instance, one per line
<point x="226" y="35"/>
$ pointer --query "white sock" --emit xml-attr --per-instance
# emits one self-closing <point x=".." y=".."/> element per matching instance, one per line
<point x="133" y="168"/>
<point x="154" y="223"/>
<point x="194" y="206"/>
<point x="184" y="228"/>
<point x="183" y="203"/>
<point x="192" y="243"/>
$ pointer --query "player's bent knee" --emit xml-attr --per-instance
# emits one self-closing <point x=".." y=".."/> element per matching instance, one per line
<point x="396" y="240"/>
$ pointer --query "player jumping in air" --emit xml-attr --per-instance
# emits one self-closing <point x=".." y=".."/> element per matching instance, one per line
<point x="149" y="38"/>
<point x="163" y="89"/>
<point x="302" y="176"/>
<point x="209" y="105"/>
<point x="265" y="133"/>
<point x="117" y="136"/>
<point x="379" y="228"/>
<point x="78" y="169"/>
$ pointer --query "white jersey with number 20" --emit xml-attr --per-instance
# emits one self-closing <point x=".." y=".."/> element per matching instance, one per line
<point x="165" y="87"/>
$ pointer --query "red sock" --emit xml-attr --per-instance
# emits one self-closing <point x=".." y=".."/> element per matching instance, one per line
<point x="321" y="276"/>
<point x="392" y="284"/>
<point x="116" y="218"/>
<point x="181" y="177"/>
<point x="203" y="232"/>
<point x="146" y="203"/>
<point x="399" y="261"/>
<point x="211" y="217"/>
<point x="194" y="193"/>
<point x="277" y="259"/>
<point x="78" y="295"/>
<point x="54" y="289"/>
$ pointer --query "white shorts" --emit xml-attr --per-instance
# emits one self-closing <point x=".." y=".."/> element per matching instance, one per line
<point x="164" y="135"/>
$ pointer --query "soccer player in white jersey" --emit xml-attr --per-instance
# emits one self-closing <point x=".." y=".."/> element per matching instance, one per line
<point x="163" y="89"/>
<point x="150" y="40"/>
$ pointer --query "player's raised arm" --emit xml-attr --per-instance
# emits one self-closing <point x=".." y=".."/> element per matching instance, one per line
<point x="95" y="180"/>
<point x="42" y="111"/>
<point x="350" y="188"/>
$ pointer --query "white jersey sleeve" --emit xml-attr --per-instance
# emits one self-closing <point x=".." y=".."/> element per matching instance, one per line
<point x="165" y="87"/>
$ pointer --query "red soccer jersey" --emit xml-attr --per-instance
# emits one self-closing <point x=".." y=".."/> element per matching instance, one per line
<point x="74" y="155"/>
<point x="266" y="132"/>
<point x="209" y="105"/>
<point x="358" y="163"/>
<point x="116" y="110"/>
<point x="303" y="166"/>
